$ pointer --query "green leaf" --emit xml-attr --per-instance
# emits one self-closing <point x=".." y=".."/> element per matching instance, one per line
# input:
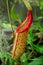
<point x="8" y="62"/>
<point x="26" y="63"/>
<point x="8" y="26"/>
<point x="38" y="48"/>
<point x="39" y="27"/>
<point x="41" y="5"/>
<point x="14" y="15"/>
<point x="38" y="18"/>
<point x="5" y="55"/>
<point x="30" y="38"/>
<point x="37" y="61"/>
<point x="23" y="58"/>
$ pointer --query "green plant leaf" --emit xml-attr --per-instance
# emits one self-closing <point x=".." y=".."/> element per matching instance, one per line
<point x="38" y="48"/>
<point x="5" y="55"/>
<point x="23" y="58"/>
<point x="30" y="38"/>
<point x="14" y="15"/>
<point x="10" y="60"/>
<point x="41" y="5"/>
<point x="26" y="63"/>
<point x="37" y="61"/>
<point x="39" y="27"/>
<point x="38" y="18"/>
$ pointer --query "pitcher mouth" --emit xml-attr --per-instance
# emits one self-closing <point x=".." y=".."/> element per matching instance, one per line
<point x="25" y="25"/>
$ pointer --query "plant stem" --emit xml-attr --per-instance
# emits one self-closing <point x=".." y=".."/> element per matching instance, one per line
<point x="9" y="17"/>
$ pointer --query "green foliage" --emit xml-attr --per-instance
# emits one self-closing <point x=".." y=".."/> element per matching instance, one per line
<point x="41" y="5"/>
<point x="31" y="37"/>
<point x="8" y="59"/>
<point x="23" y="58"/>
<point x="37" y="61"/>
<point x="14" y="15"/>
<point x="38" y="18"/>
<point x="38" y="48"/>
<point x="39" y="27"/>
<point x="3" y="40"/>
